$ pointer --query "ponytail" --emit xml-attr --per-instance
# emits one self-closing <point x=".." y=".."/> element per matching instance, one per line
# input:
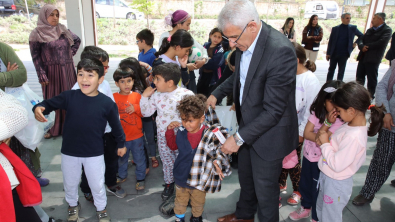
<point x="180" y="38"/>
<point x="310" y="65"/>
<point x="376" y="119"/>
<point x="164" y="46"/>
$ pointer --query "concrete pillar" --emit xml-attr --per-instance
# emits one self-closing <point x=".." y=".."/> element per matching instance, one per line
<point x="375" y="7"/>
<point x="81" y="20"/>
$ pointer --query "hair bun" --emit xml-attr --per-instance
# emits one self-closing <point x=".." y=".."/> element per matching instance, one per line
<point x="310" y="65"/>
<point x="168" y="19"/>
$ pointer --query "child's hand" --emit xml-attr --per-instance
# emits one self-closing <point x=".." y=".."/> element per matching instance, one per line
<point x="149" y="91"/>
<point x="233" y="107"/>
<point x="121" y="151"/>
<point x="173" y="125"/>
<point x="183" y="61"/>
<point x="38" y="114"/>
<point x="200" y="63"/>
<point x="332" y="116"/>
<point x="191" y="66"/>
<point x="324" y="137"/>
<point x="219" y="171"/>
<point x="130" y="109"/>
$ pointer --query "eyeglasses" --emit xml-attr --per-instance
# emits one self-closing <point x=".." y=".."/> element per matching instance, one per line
<point x="106" y="67"/>
<point x="235" y="42"/>
<point x="137" y="42"/>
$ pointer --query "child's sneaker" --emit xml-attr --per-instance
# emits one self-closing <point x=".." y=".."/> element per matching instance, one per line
<point x="102" y="216"/>
<point x="120" y="180"/>
<point x="168" y="191"/>
<point x="89" y="197"/>
<point x="283" y="188"/>
<point x="294" y="199"/>
<point x="117" y="191"/>
<point x="300" y="213"/>
<point x="140" y="185"/>
<point x="73" y="213"/>
<point x="180" y="219"/>
<point x="196" y="219"/>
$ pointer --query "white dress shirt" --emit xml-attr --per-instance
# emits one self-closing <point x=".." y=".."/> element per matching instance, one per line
<point x="245" y="64"/>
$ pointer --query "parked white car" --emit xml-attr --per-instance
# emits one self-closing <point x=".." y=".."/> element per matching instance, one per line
<point x="106" y="9"/>
<point x="323" y="9"/>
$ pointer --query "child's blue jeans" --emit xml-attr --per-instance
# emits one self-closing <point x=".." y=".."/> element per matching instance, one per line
<point x="137" y="148"/>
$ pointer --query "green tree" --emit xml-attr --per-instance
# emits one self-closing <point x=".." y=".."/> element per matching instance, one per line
<point x="145" y="6"/>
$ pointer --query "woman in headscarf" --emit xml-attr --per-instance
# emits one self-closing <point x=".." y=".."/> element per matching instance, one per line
<point x="180" y="19"/>
<point x="52" y="47"/>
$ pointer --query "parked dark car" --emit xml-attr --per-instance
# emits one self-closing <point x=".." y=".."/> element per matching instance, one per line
<point x="11" y="7"/>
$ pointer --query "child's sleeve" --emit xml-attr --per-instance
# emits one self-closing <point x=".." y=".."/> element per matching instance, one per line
<point x="136" y="104"/>
<point x="115" y="124"/>
<point x="185" y="76"/>
<point x="338" y="123"/>
<point x="148" y="67"/>
<point x="311" y="91"/>
<point x="215" y="62"/>
<point x="171" y="139"/>
<point x="58" y="102"/>
<point x="148" y="105"/>
<point x="338" y="161"/>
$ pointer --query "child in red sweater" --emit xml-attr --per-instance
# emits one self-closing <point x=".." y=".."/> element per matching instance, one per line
<point x="128" y="103"/>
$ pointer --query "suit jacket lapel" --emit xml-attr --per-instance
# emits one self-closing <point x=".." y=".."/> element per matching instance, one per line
<point x="236" y="85"/>
<point x="256" y="57"/>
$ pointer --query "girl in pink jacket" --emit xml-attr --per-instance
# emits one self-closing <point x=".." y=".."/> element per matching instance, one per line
<point x="344" y="152"/>
<point x="323" y="117"/>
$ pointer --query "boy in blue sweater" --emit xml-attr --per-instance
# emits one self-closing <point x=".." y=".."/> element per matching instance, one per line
<point x="88" y="112"/>
<point x="145" y="41"/>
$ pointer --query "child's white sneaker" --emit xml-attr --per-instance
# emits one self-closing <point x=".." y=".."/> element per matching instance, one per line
<point x="103" y="216"/>
<point x="73" y="213"/>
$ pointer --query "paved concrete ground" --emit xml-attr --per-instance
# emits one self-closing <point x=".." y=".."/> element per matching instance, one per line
<point x="143" y="205"/>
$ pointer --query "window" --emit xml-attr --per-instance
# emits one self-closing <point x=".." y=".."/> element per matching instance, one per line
<point x="319" y="7"/>
<point x="101" y="2"/>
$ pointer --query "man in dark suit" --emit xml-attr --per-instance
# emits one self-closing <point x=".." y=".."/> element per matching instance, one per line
<point x="372" y="46"/>
<point x="263" y="87"/>
<point x="391" y="52"/>
<point x="340" y="46"/>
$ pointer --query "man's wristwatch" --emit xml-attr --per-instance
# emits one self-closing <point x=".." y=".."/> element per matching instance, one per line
<point x="239" y="142"/>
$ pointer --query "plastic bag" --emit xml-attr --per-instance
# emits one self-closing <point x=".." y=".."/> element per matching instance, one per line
<point x="227" y="118"/>
<point x="290" y="160"/>
<point x="31" y="135"/>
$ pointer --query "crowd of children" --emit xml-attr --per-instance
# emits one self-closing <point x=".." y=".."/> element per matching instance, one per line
<point x="102" y="127"/>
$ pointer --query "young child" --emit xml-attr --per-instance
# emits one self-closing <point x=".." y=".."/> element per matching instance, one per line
<point x="307" y="88"/>
<point x="208" y="74"/>
<point x="164" y="101"/>
<point x="145" y="41"/>
<point x="191" y="109"/>
<point x="88" y="112"/>
<point x="321" y="110"/>
<point x="344" y="152"/>
<point x="128" y="102"/>
<point x="140" y="85"/>
<point x="110" y="157"/>
<point x="175" y="49"/>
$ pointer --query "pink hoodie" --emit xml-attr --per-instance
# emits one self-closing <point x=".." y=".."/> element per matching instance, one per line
<point x="346" y="152"/>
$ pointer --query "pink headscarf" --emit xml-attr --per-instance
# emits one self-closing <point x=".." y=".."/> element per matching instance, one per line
<point x="47" y="33"/>
<point x="177" y="17"/>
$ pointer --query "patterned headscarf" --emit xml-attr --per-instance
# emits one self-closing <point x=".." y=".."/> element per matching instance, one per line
<point x="47" y="33"/>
